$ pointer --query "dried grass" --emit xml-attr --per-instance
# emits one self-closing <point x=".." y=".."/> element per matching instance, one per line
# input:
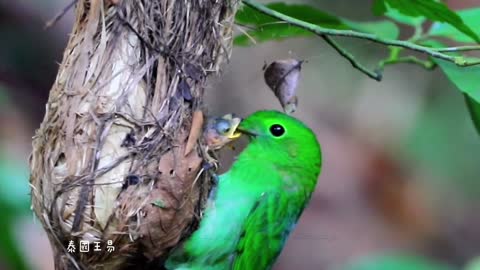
<point x="108" y="160"/>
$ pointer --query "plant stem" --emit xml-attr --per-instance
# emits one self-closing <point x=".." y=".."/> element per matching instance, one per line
<point x="458" y="49"/>
<point x="410" y="60"/>
<point x="372" y="74"/>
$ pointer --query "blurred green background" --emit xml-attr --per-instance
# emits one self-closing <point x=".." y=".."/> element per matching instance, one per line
<point x="399" y="187"/>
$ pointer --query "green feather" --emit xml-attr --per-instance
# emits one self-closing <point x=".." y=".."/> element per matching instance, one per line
<point x="258" y="201"/>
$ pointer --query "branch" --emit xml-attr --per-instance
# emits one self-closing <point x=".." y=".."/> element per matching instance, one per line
<point x="458" y="49"/>
<point x="426" y="64"/>
<point x="372" y="74"/>
<point x="321" y="31"/>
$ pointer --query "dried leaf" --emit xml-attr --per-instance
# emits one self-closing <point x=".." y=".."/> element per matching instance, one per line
<point x="282" y="77"/>
<point x="195" y="131"/>
<point x="108" y="187"/>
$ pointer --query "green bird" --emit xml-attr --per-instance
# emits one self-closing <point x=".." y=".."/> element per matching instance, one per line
<point x="258" y="201"/>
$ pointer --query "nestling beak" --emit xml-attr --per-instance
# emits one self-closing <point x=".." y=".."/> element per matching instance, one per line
<point x="237" y="130"/>
<point x="242" y="130"/>
<point x="233" y="133"/>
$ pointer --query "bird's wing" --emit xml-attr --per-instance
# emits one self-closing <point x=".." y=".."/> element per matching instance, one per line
<point x="265" y="231"/>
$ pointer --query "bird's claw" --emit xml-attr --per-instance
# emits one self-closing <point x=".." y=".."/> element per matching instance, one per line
<point x="211" y="168"/>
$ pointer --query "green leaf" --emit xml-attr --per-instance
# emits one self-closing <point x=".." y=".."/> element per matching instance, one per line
<point x="465" y="78"/>
<point x="432" y="43"/>
<point x="14" y="203"/>
<point x="14" y="191"/>
<point x="396" y="262"/>
<point x="268" y="28"/>
<point x="408" y="20"/>
<point x="430" y="9"/>
<point x="248" y="15"/>
<point x="471" y="17"/>
<point x="474" y="110"/>
<point x="473" y="264"/>
<point x="383" y="29"/>
<point x="429" y="145"/>
<point x="270" y="32"/>
<point x="379" y="7"/>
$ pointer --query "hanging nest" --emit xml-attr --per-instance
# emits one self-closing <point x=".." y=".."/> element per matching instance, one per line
<point x="109" y="159"/>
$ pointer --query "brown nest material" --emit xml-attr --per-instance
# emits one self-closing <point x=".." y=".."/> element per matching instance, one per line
<point x="108" y="160"/>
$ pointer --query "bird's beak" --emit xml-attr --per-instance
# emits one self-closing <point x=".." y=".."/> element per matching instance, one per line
<point x="242" y="130"/>
<point x="237" y="130"/>
<point x="246" y="132"/>
<point x="234" y="135"/>
<point x="234" y="132"/>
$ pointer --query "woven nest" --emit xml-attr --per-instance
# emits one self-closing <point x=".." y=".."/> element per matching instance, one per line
<point x="109" y="160"/>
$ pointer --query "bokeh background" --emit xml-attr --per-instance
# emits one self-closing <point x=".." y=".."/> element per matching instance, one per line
<point x="400" y="186"/>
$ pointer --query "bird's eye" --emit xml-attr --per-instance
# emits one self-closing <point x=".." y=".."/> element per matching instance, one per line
<point x="277" y="130"/>
<point x="222" y="126"/>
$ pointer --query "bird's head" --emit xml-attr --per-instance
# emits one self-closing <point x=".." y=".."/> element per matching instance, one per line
<point x="281" y="138"/>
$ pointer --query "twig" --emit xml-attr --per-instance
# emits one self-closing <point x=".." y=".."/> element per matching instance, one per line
<point x="321" y="31"/>
<point x="458" y="49"/>
<point x="372" y="74"/>
<point x="60" y="15"/>
<point x="426" y="64"/>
